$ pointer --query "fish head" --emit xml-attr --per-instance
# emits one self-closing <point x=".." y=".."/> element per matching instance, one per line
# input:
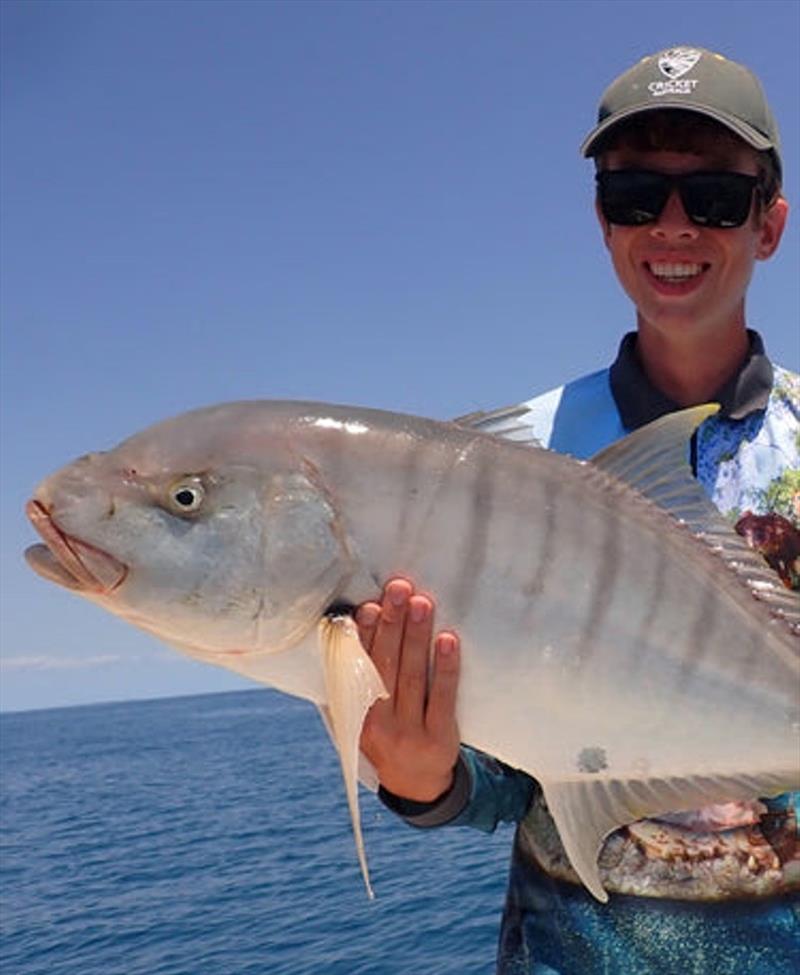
<point x="214" y="541"/>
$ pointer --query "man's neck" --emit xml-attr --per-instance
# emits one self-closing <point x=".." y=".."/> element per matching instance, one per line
<point x="691" y="369"/>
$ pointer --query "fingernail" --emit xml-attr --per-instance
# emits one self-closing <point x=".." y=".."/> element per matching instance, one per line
<point x="418" y="610"/>
<point x="367" y="615"/>
<point x="446" y="644"/>
<point x="397" y="595"/>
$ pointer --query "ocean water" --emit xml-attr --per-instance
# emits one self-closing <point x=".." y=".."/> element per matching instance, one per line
<point x="210" y="836"/>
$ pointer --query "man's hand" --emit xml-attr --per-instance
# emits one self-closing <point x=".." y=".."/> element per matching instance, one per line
<point x="411" y="738"/>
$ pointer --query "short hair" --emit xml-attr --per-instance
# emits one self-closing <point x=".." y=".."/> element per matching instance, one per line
<point x="684" y="131"/>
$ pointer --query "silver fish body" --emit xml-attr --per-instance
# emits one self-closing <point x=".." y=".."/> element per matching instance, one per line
<point x="629" y="665"/>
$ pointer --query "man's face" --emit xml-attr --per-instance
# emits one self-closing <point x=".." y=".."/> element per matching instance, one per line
<point x="680" y="276"/>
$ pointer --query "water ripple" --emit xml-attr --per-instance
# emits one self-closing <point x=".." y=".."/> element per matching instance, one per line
<point x="210" y="835"/>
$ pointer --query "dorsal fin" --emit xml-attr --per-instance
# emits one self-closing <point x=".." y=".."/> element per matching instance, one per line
<point x="504" y="422"/>
<point x="653" y="460"/>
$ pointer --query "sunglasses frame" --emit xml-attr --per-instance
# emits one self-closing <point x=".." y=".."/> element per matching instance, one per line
<point x="662" y="187"/>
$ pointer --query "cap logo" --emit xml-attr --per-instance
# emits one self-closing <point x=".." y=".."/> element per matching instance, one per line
<point x="673" y="64"/>
<point x="677" y="61"/>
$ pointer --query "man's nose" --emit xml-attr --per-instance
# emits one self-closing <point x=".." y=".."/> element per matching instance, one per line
<point x="673" y="223"/>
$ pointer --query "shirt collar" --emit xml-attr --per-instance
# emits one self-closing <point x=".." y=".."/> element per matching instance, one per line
<point x="639" y="402"/>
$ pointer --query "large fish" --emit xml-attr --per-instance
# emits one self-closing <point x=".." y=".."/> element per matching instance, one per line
<point x="633" y="661"/>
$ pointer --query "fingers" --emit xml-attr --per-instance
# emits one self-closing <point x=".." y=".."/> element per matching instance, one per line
<point x="412" y="677"/>
<point x="440" y="714"/>
<point x="397" y="634"/>
<point x="367" y="617"/>
<point x="412" y="738"/>
<point x="382" y="634"/>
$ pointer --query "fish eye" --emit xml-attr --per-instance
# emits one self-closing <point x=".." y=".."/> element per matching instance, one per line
<point x="186" y="496"/>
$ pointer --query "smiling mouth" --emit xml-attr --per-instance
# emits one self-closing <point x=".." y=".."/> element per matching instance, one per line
<point x="68" y="561"/>
<point x="675" y="272"/>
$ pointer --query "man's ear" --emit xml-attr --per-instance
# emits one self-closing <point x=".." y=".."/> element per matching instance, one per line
<point x="770" y="229"/>
<point x="605" y="226"/>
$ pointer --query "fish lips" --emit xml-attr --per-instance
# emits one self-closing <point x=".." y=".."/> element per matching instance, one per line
<point x="68" y="561"/>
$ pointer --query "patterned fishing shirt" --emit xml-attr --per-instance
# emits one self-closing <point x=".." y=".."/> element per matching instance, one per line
<point x="710" y="893"/>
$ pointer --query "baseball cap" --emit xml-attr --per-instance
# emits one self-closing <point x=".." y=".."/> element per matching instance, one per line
<point x="694" y="80"/>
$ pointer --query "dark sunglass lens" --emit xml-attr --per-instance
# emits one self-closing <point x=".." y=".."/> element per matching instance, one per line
<point x="630" y="197"/>
<point x="718" y="199"/>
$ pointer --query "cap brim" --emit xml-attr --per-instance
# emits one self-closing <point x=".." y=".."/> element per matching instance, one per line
<point x="751" y="136"/>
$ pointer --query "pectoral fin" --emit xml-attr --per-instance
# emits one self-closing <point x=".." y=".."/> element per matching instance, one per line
<point x="352" y="685"/>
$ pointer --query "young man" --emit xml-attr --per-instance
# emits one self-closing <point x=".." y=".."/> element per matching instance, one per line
<point x="688" y="200"/>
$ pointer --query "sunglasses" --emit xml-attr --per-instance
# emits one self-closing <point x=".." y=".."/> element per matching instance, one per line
<point x="632" y="197"/>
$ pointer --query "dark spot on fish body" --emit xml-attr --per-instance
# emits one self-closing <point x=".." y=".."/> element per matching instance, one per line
<point x="592" y="759"/>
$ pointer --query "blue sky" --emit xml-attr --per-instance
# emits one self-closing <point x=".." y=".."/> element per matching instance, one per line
<point x="375" y="203"/>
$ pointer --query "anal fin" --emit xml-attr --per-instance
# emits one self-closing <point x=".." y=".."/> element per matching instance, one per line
<point x="586" y="812"/>
<point x="352" y="685"/>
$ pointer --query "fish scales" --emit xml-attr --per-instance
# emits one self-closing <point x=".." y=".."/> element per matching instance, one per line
<point x="592" y="622"/>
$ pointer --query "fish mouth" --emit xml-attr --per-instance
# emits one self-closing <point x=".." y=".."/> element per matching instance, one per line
<point x="68" y="561"/>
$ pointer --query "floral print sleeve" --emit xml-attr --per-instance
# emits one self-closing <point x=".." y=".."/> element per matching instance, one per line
<point x="754" y="464"/>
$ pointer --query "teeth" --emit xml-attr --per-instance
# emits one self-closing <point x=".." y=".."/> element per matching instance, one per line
<point x="675" y="272"/>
